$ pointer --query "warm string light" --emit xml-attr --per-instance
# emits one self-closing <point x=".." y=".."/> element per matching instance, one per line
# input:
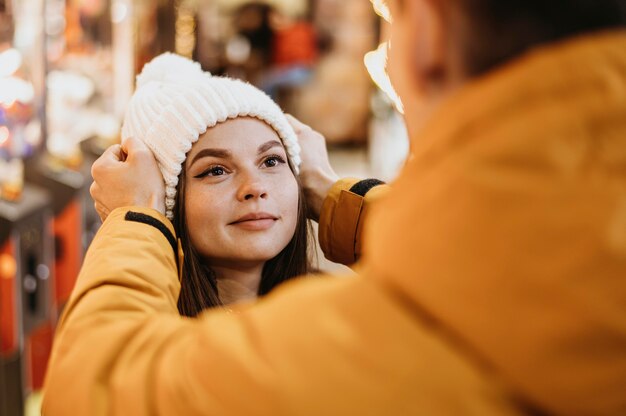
<point x="185" y="30"/>
<point x="10" y="62"/>
<point x="376" y="61"/>
<point x="381" y="9"/>
<point x="15" y="94"/>
<point x="119" y="12"/>
<point x="13" y="88"/>
<point x="4" y="135"/>
<point x="376" y="64"/>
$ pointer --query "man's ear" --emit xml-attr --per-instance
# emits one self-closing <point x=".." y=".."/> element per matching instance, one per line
<point x="418" y="57"/>
<point x="430" y="50"/>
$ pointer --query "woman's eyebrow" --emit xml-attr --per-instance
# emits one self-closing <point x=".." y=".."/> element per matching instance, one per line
<point x="225" y="154"/>
<point x="268" y="145"/>
<point x="219" y="153"/>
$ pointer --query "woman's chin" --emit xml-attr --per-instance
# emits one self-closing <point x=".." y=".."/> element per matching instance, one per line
<point x="258" y="254"/>
<point x="247" y="254"/>
<point x="259" y="246"/>
<point x="264" y="244"/>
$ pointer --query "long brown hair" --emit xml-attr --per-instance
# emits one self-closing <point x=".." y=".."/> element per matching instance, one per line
<point x="199" y="283"/>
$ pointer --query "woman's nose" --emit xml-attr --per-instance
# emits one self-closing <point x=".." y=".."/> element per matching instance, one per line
<point x="252" y="188"/>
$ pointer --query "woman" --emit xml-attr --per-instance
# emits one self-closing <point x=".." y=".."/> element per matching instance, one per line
<point x="229" y="159"/>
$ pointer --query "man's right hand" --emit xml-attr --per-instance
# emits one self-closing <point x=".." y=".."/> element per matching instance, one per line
<point x="316" y="174"/>
<point x="127" y="175"/>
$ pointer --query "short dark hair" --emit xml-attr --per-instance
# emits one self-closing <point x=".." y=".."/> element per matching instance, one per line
<point x="498" y="30"/>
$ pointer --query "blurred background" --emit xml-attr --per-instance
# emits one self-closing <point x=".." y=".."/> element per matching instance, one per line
<point x="67" y="71"/>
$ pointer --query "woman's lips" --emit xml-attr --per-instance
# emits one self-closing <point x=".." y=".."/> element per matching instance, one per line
<point x="255" y="222"/>
<point x="255" y="225"/>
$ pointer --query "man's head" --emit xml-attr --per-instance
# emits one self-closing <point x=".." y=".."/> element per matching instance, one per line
<point x="439" y="44"/>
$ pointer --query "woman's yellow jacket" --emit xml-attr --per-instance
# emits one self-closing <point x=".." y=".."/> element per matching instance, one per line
<point x="492" y="277"/>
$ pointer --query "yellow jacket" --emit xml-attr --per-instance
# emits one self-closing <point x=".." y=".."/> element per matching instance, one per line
<point x="491" y="282"/>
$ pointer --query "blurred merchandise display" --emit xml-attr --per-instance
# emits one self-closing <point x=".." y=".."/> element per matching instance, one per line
<point x="294" y="54"/>
<point x="26" y="297"/>
<point x="388" y="138"/>
<point x="66" y="75"/>
<point x="307" y="55"/>
<point x="291" y="7"/>
<point x="81" y="76"/>
<point x="26" y="283"/>
<point x="337" y="100"/>
<point x="12" y="174"/>
<point x="21" y="91"/>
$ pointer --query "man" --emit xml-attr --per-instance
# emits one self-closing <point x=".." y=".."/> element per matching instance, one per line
<point x="491" y="280"/>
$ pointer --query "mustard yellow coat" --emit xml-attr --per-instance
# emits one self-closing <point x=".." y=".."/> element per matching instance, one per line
<point x="492" y="279"/>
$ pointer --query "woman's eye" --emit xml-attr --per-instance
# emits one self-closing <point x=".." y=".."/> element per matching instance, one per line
<point x="273" y="161"/>
<point x="214" y="171"/>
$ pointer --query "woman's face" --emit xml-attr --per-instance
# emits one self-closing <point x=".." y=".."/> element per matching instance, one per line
<point x="241" y="197"/>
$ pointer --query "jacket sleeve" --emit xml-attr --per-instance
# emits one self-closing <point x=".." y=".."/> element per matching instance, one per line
<point x="342" y="220"/>
<point x="121" y="311"/>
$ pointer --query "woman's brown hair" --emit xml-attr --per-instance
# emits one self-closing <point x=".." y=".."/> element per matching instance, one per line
<point x="199" y="283"/>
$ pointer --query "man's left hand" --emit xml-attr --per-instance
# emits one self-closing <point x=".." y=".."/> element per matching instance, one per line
<point x="127" y="175"/>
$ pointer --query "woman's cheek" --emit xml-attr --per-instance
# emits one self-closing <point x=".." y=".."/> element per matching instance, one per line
<point x="202" y="211"/>
<point x="289" y="199"/>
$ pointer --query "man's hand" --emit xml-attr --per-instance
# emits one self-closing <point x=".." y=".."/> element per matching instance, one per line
<point x="127" y="175"/>
<point x="316" y="174"/>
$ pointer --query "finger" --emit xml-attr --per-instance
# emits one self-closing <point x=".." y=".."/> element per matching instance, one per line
<point x="102" y="210"/>
<point x="296" y="124"/>
<point x="106" y="160"/>
<point x="94" y="190"/>
<point x="101" y="213"/>
<point x="95" y="207"/>
<point x="114" y="153"/>
<point x="133" y="147"/>
<point x="118" y="152"/>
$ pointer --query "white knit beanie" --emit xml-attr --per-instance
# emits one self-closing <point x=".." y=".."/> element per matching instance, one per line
<point x="174" y="104"/>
